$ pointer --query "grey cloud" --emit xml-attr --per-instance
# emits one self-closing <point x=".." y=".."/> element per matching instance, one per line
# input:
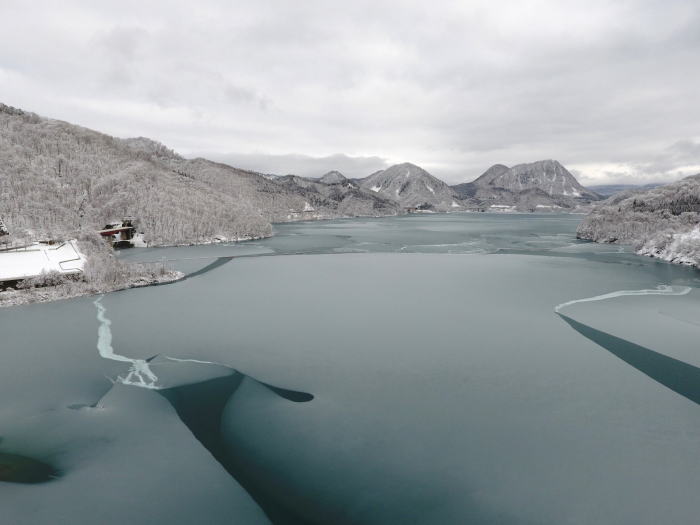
<point x="238" y="94"/>
<point x="123" y="42"/>
<point x="686" y="150"/>
<point x="454" y="88"/>
<point x="679" y="155"/>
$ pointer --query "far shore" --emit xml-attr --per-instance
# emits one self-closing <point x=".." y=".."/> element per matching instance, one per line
<point x="79" y="288"/>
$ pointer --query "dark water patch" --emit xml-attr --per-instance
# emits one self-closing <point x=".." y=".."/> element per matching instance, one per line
<point x="275" y="496"/>
<point x="682" y="378"/>
<point x="291" y="395"/>
<point x="200" y="406"/>
<point x="15" y="468"/>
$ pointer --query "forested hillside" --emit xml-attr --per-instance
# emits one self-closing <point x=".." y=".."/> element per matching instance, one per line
<point x="57" y="178"/>
<point x="662" y="222"/>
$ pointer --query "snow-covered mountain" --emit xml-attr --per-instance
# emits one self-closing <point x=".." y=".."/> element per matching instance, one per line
<point x="333" y="177"/>
<point x="490" y="174"/>
<point x="546" y="175"/>
<point x="342" y="196"/>
<point x="412" y="187"/>
<point x="544" y="185"/>
<point x="470" y="189"/>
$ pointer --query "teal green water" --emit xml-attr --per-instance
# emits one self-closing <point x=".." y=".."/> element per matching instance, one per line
<point x="444" y="388"/>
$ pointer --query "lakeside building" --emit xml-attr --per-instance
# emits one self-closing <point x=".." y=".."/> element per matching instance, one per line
<point x="119" y="233"/>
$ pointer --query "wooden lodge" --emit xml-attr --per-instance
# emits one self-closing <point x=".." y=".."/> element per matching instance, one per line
<point x="119" y="233"/>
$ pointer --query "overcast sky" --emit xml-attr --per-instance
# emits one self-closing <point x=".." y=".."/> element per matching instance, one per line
<point x="611" y="89"/>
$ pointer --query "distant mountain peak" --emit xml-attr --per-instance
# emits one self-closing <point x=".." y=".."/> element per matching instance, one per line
<point x="544" y="185"/>
<point x="412" y="186"/>
<point x="491" y="173"/>
<point x="547" y="175"/>
<point x="333" y="177"/>
<point x="408" y="165"/>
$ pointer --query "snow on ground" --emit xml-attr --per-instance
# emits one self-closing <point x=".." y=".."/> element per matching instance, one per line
<point x="572" y="193"/>
<point x="683" y="248"/>
<point x="139" y="241"/>
<point x="40" y="258"/>
<point x="376" y="188"/>
<point x="502" y="207"/>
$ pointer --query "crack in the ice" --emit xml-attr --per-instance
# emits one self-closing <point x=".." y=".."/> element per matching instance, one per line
<point x="139" y="374"/>
<point x="660" y="290"/>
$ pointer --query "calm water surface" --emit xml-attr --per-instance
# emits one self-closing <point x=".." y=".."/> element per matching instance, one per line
<point x="401" y="370"/>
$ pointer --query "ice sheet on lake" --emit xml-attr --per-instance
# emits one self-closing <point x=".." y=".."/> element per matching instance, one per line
<point x="139" y="374"/>
<point x="660" y="290"/>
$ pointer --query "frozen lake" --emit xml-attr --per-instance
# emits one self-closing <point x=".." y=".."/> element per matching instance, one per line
<point x="423" y="369"/>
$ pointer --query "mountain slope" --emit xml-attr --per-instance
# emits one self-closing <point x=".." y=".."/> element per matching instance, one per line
<point x="662" y="222"/>
<point x="57" y="178"/>
<point x="490" y="174"/>
<point x="470" y="189"/>
<point x="343" y="198"/>
<point x="412" y="187"/>
<point x="333" y="177"/>
<point x="546" y="175"/>
<point x="539" y="186"/>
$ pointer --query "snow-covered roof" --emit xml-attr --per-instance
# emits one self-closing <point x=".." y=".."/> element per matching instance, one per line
<point x="36" y="259"/>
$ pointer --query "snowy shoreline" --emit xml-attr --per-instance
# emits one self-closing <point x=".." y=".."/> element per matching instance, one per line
<point x="678" y="248"/>
<point x="9" y="298"/>
<point x="662" y="222"/>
